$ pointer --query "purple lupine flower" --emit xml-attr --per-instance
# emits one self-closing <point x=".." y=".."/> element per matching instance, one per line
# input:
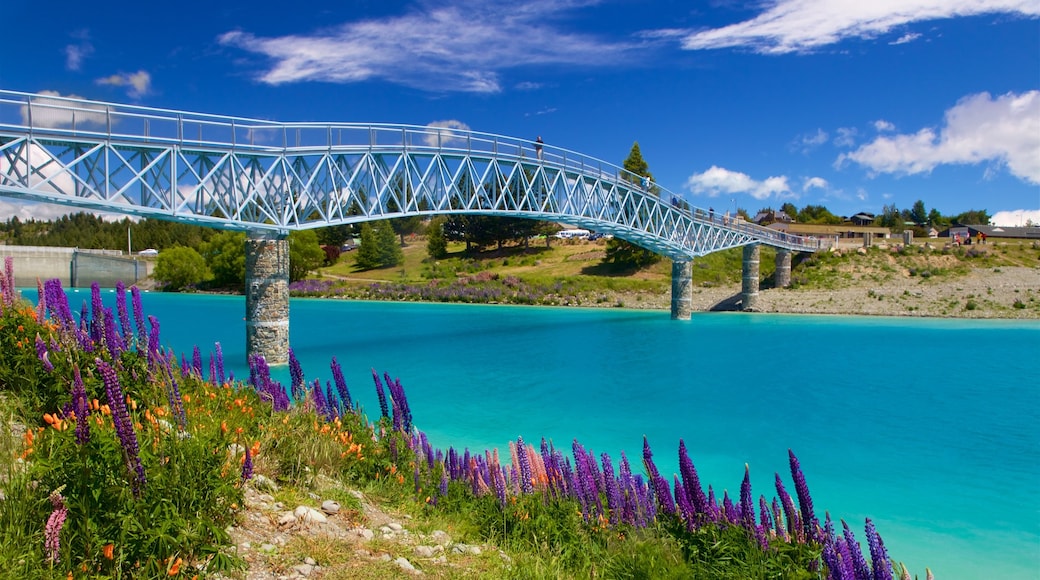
<point x="764" y="525"/>
<point x="526" y="478"/>
<point x="41" y="353"/>
<point x="296" y="384"/>
<point x="185" y="366"/>
<point x="58" y="303"/>
<point x="52" y="531"/>
<point x="123" y="425"/>
<point x="196" y="362"/>
<point x="121" y="312"/>
<point x="341" y="385"/>
<point x="682" y="502"/>
<point x="613" y="490"/>
<point x="220" y="363"/>
<point x="662" y="493"/>
<point x="213" y="371"/>
<point x="747" y="502"/>
<point x="135" y="304"/>
<point x="335" y="407"/>
<point x="691" y="482"/>
<point x="247" y="465"/>
<point x="400" y="402"/>
<point x="173" y="394"/>
<point x="713" y="506"/>
<point x="112" y="339"/>
<point x="320" y="404"/>
<point x="97" y="314"/>
<point x="880" y="564"/>
<point x="809" y="522"/>
<point x="859" y="563"/>
<point x="794" y="525"/>
<point x="381" y="394"/>
<point x="499" y="478"/>
<point x="41" y="305"/>
<point x="153" y="342"/>
<point x="443" y="489"/>
<point x="80" y="407"/>
<point x="729" y="510"/>
<point x="7" y="282"/>
<point x="778" y="520"/>
<point x="82" y="335"/>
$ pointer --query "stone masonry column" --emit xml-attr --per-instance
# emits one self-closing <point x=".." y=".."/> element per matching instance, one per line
<point x="749" y="282"/>
<point x="267" y="297"/>
<point x="782" y="276"/>
<point x="682" y="290"/>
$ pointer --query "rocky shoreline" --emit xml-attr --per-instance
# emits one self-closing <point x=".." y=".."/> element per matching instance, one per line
<point x="982" y="293"/>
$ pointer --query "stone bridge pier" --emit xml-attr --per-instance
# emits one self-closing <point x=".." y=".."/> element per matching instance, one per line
<point x="749" y="278"/>
<point x="267" y="296"/>
<point x="682" y="290"/>
<point x="782" y="275"/>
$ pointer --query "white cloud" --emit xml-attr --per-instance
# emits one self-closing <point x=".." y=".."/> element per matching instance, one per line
<point x="815" y="182"/>
<point x="806" y="143"/>
<point x="443" y="136"/>
<point x="719" y="181"/>
<point x="883" y="126"/>
<point x="846" y="137"/>
<point x="76" y="53"/>
<point x="803" y="25"/>
<point x="58" y="112"/>
<point x="1016" y="218"/>
<point x="138" y="84"/>
<point x="1004" y="130"/>
<point x="460" y="46"/>
<point x="906" y="38"/>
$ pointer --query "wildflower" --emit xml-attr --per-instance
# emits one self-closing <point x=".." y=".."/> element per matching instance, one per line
<point x="220" y="364"/>
<point x="123" y="426"/>
<point x="809" y="522"/>
<point x="247" y="465"/>
<point x="41" y="353"/>
<point x="296" y="385"/>
<point x="882" y="567"/>
<point x="691" y="482"/>
<point x="747" y="505"/>
<point x="124" y="318"/>
<point x="341" y="385"/>
<point x="52" y="531"/>
<point x="382" y="395"/>
<point x="107" y="550"/>
<point x="142" y="331"/>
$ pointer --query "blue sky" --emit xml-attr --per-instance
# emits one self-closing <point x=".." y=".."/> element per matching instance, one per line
<point x="846" y="103"/>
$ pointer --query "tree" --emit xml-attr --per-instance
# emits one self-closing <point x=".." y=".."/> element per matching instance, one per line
<point x="305" y="254"/>
<point x="436" y="243"/>
<point x="621" y="252"/>
<point x="180" y="267"/>
<point x="817" y="214"/>
<point x="891" y="218"/>
<point x="390" y="253"/>
<point x="936" y="219"/>
<point x="225" y="255"/>
<point x="789" y="209"/>
<point x="973" y="217"/>
<point x="379" y="247"/>
<point x="918" y="215"/>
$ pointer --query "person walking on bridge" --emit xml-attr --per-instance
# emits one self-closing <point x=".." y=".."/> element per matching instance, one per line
<point x="538" y="147"/>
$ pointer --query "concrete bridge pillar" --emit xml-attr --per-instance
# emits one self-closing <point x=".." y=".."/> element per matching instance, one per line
<point x="749" y="280"/>
<point x="267" y="297"/>
<point x="783" y="268"/>
<point x="682" y="290"/>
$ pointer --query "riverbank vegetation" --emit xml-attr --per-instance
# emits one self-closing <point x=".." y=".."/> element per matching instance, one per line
<point x="119" y="458"/>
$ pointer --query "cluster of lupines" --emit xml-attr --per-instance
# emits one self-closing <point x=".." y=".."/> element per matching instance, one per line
<point x="52" y="531"/>
<point x="606" y="499"/>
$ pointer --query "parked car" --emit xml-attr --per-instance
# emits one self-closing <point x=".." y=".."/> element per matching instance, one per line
<point x="348" y="247"/>
<point x="148" y="252"/>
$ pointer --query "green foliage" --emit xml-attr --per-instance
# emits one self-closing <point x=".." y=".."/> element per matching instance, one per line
<point x="918" y="215"/>
<point x="379" y="247"/>
<point x="86" y="230"/>
<point x="305" y="254"/>
<point x="180" y="268"/>
<point x="436" y="243"/>
<point x="626" y="254"/>
<point x="225" y="254"/>
<point x="636" y="165"/>
<point x="817" y="214"/>
<point x="973" y="217"/>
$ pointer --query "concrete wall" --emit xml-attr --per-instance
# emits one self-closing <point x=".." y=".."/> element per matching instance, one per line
<point x="74" y="267"/>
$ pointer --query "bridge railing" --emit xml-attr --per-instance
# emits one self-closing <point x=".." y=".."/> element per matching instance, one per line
<point x="55" y="117"/>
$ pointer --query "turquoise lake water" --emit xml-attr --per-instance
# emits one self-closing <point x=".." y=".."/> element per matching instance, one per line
<point x="929" y="427"/>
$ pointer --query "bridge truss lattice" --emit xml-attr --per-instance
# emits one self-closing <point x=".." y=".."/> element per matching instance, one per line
<point x="262" y="176"/>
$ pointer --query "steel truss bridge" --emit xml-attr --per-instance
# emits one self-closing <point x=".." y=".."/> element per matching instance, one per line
<point x="269" y="177"/>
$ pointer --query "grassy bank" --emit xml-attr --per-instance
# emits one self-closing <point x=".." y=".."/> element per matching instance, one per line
<point x="119" y="460"/>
